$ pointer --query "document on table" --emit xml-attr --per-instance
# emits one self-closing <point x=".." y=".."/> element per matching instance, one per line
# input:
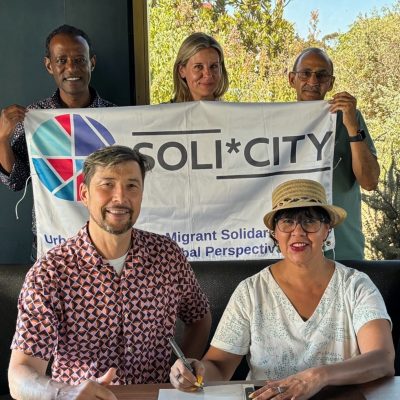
<point x="232" y="392"/>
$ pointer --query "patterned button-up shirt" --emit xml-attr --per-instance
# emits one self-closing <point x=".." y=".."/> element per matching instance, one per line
<point x="75" y="307"/>
<point x="16" y="179"/>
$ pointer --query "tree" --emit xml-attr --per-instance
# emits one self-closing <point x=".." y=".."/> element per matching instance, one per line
<point x="368" y="65"/>
<point x="383" y="215"/>
<point x="171" y="21"/>
<point x="256" y="39"/>
<point x="367" y="61"/>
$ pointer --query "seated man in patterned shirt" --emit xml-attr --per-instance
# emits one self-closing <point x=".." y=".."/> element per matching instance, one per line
<point x="69" y="58"/>
<point x="105" y="303"/>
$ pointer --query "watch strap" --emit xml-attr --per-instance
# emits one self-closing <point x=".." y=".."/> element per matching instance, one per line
<point x="359" y="137"/>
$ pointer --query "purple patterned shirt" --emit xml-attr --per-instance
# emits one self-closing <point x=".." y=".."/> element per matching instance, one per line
<point x="74" y="307"/>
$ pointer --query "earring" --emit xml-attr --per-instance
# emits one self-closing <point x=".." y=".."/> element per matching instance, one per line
<point x="276" y="244"/>
<point x="326" y="245"/>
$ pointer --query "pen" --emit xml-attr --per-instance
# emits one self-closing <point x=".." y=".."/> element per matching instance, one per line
<point x="178" y="352"/>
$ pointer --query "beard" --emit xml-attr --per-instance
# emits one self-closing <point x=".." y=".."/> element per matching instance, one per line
<point x="111" y="228"/>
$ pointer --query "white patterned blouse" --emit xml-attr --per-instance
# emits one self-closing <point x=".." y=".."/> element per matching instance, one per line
<point x="261" y="323"/>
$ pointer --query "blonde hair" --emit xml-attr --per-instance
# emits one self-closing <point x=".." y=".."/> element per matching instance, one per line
<point x="190" y="46"/>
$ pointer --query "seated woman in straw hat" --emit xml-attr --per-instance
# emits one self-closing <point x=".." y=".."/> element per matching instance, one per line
<point x="304" y="322"/>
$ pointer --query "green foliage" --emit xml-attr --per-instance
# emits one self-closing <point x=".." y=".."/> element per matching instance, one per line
<point x="383" y="215"/>
<point x="367" y="60"/>
<point x="260" y="47"/>
<point x="255" y="37"/>
<point x="171" y="22"/>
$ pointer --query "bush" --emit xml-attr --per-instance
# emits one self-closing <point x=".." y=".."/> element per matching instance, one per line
<point x="382" y="222"/>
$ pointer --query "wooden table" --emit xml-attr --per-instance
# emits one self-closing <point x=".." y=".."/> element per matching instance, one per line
<point x="381" y="389"/>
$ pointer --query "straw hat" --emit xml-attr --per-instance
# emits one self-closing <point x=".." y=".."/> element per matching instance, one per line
<point x="302" y="193"/>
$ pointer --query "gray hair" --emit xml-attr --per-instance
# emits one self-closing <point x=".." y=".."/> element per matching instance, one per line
<point x="314" y="50"/>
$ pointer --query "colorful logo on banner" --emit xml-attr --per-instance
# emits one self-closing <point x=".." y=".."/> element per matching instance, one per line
<point x="59" y="147"/>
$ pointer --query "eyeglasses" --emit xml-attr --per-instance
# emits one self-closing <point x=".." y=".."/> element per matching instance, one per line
<point x="322" y="76"/>
<point x="309" y="225"/>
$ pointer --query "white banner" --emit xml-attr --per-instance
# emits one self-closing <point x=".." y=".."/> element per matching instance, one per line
<point x="215" y="166"/>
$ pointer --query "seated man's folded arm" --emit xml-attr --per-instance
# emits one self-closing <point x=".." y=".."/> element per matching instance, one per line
<point x="27" y="377"/>
<point x="28" y="381"/>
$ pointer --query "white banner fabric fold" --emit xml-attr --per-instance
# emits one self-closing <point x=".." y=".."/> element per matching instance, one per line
<point x="215" y="166"/>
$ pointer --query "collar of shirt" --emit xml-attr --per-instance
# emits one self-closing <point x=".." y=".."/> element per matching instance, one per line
<point x="96" y="100"/>
<point x="89" y="257"/>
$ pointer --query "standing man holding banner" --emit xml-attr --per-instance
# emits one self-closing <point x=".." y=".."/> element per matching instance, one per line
<point x="69" y="58"/>
<point x="355" y="161"/>
<point x="105" y="303"/>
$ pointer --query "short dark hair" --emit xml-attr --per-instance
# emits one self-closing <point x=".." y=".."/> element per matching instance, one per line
<point x="315" y="50"/>
<point x="113" y="155"/>
<point x="309" y="212"/>
<point x="68" y="30"/>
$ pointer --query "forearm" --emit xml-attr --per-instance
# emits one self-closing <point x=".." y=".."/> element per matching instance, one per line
<point x="363" y="368"/>
<point x="215" y="372"/>
<point x="7" y="158"/>
<point x="220" y="365"/>
<point x="216" y="365"/>
<point x="26" y="383"/>
<point x="10" y="124"/>
<point x="365" y="165"/>
<point x="195" y="337"/>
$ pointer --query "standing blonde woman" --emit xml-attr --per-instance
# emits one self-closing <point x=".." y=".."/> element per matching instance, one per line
<point x="199" y="70"/>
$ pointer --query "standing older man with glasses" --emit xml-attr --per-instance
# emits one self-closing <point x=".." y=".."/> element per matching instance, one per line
<point x="355" y="161"/>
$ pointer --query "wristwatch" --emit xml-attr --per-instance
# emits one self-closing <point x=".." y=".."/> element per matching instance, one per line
<point x="359" y="137"/>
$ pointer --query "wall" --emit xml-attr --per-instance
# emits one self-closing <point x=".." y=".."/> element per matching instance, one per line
<point x="24" y="25"/>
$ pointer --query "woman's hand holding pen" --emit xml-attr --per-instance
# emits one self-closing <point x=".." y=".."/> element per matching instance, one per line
<point x="181" y="378"/>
